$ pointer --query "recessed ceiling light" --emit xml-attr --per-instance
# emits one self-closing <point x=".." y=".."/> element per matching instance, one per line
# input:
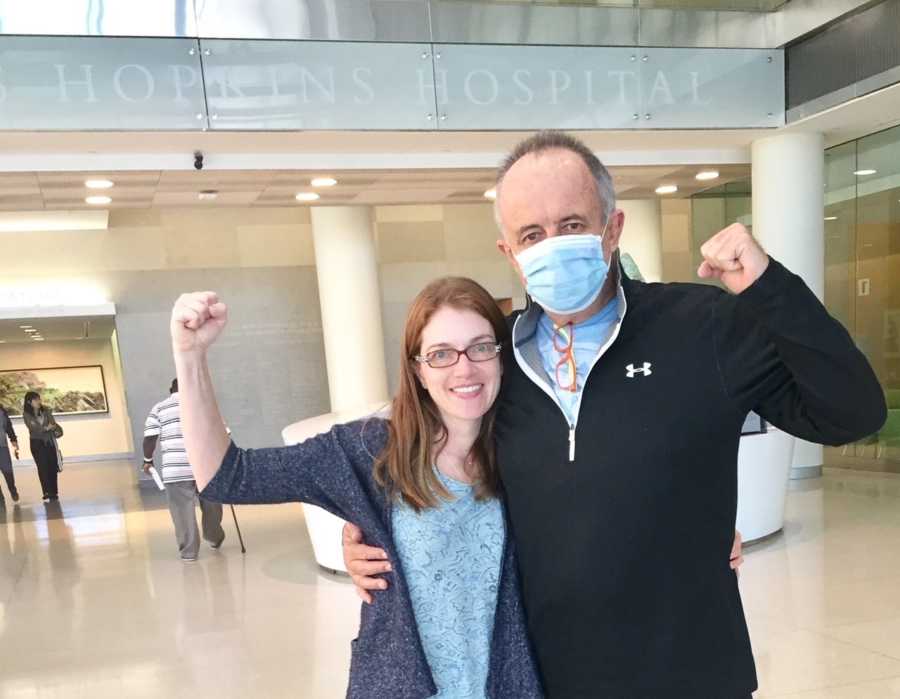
<point x="491" y="194"/>
<point x="26" y="326"/>
<point x="323" y="182"/>
<point x="30" y="330"/>
<point x="306" y="196"/>
<point x="667" y="189"/>
<point x="207" y="195"/>
<point x="38" y="339"/>
<point x="859" y="173"/>
<point x="707" y="175"/>
<point x="98" y="200"/>
<point x="831" y="218"/>
<point x="98" y="184"/>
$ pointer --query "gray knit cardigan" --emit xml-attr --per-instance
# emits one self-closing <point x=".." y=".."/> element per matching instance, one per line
<point x="334" y="471"/>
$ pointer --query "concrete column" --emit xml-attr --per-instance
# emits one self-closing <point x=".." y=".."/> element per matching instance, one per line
<point x="350" y="298"/>
<point x="788" y="206"/>
<point x="642" y="236"/>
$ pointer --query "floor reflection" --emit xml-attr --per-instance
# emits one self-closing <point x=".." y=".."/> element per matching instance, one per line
<point x="94" y="601"/>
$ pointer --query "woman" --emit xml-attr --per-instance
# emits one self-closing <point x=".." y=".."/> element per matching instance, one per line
<point x="44" y="432"/>
<point x="424" y="486"/>
<point x="7" y="431"/>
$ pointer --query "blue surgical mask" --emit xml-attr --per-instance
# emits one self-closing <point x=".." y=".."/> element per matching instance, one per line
<point x="565" y="273"/>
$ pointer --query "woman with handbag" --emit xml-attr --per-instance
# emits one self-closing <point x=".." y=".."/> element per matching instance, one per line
<point x="44" y="432"/>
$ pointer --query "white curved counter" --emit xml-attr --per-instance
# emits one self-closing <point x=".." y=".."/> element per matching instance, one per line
<point x="324" y="528"/>
<point x="764" y="466"/>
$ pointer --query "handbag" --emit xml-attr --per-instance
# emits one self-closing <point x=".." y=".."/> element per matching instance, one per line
<point x="59" y="456"/>
<point x="57" y="431"/>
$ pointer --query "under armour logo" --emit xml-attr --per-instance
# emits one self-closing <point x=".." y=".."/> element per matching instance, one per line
<point x="645" y="370"/>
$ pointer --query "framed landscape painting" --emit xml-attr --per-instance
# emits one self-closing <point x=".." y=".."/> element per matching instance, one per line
<point x="75" y="390"/>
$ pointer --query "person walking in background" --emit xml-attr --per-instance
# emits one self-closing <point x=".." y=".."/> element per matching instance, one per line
<point x="163" y="426"/>
<point x="44" y="431"/>
<point x="5" y="460"/>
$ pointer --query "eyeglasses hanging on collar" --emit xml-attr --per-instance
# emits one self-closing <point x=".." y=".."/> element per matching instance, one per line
<point x="565" y="335"/>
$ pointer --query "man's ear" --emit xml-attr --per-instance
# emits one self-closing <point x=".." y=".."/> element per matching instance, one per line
<point x="614" y="231"/>
<point x="505" y="248"/>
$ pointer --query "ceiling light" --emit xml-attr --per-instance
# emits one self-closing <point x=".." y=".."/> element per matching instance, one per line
<point x="859" y="173"/>
<point x="491" y="194"/>
<point x="77" y="220"/>
<point x="30" y="330"/>
<point x="666" y="189"/>
<point x="707" y="175"/>
<point x="26" y="326"/>
<point x="306" y="196"/>
<point x="38" y="339"/>
<point x="97" y="201"/>
<point x="207" y="195"/>
<point x="831" y="218"/>
<point x="98" y="184"/>
<point x="323" y="182"/>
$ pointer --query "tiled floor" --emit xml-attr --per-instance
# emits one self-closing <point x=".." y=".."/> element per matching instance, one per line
<point x="94" y="602"/>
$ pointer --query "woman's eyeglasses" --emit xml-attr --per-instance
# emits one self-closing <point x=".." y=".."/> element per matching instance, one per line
<point x="443" y="358"/>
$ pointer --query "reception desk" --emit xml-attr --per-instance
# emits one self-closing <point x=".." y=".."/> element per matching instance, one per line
<point x="764" y="467"/>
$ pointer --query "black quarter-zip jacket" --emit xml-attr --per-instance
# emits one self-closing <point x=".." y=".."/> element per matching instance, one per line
<point x="624" y="549"/>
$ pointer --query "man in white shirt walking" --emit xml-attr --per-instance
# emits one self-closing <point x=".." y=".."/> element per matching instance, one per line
<point x="163" y="426"/>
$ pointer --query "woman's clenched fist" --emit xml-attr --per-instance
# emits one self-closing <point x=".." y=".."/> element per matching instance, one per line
<point x="197" y="320"/>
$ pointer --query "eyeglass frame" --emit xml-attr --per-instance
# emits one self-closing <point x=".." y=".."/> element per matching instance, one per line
<point x="567" y="359"/>
<point x="423" y="358"/>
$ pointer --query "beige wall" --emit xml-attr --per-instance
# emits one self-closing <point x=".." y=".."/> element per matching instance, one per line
<point x="419" y="243"/>
<point x="164" y="239"/>
<point x="677" y="241"/>
<point x="85" y="435"/>
<point x="147" y="256"/>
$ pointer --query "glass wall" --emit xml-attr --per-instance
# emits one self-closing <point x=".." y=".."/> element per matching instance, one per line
<point x="862" y="266"/>
<point x="713" y="210"/>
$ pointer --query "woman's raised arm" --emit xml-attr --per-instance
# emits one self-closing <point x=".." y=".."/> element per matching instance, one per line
<point x="197" y="320"/>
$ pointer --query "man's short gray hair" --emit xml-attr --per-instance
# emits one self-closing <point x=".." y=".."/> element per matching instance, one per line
<point x="552" y="140"/>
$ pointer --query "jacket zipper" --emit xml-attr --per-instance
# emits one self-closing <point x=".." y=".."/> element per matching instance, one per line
<point x="535" y="379"/>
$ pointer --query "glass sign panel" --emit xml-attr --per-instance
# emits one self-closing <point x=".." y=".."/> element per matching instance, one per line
<point x="276" y="85"/>
<point x="88" y="83"/>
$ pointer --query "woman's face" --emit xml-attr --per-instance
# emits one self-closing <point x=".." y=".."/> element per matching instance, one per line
<point x="36" y="404"/>
<point x="466" y="390"/>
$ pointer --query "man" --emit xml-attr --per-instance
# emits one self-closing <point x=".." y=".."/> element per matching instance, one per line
<point x="7" y="431"/>
<point x="164" y="426"/>
<point x="618" y="428"/>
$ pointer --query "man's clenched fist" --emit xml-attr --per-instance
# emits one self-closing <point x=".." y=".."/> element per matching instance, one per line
<point x="733" y="256"/>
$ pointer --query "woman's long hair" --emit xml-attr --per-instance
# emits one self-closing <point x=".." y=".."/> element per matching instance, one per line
<point x="26" y="407"/>
<point x="417" y="433"/>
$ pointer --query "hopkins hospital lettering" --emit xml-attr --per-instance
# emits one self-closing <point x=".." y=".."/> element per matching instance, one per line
<point x="252" y="87"/>
<point x="521" y="87"/>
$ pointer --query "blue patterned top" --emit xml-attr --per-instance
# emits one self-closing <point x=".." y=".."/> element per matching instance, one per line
<point x="451" y="558"/>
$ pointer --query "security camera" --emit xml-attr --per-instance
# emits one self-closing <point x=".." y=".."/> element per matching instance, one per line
<point x="198" y="160"/>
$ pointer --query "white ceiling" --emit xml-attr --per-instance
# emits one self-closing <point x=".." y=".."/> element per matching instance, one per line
<point x="39" y="191"/>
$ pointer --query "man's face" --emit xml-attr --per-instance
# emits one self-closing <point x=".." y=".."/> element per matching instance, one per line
<point x="549" y="194"/>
